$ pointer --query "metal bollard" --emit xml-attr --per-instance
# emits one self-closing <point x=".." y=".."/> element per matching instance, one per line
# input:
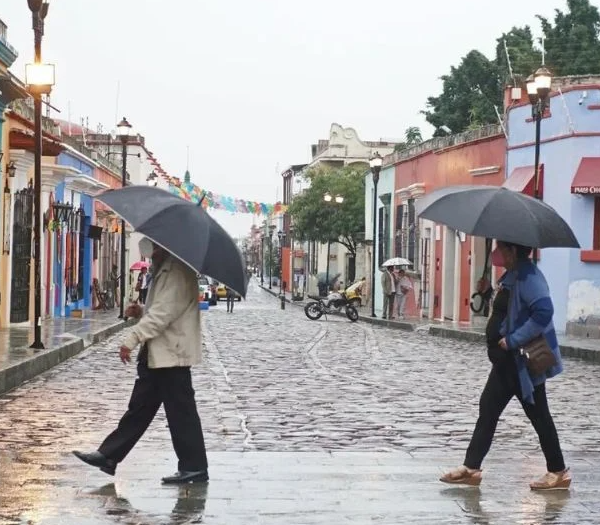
<point x="282" y="298"/>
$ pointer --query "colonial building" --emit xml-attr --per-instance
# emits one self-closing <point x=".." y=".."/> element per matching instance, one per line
<point x="446" y="264"/>
<point x="570" y="183"/>
<point x="343" y="148"/>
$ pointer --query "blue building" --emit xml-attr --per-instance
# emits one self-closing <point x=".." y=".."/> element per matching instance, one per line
<point x="72" y="250"/>
<point x="570" y="183"/>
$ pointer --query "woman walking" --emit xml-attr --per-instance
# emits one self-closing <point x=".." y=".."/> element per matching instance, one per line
<point x="522" y="311"/>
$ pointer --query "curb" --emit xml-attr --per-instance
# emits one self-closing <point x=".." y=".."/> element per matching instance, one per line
<point x="17" y="374"/>
<point x="570" y="351"/>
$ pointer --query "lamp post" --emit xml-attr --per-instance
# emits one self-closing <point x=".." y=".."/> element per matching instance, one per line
<point x="270" y="262"/>
<point x="538" y="89"/>
<point x="123" y="133"/>
<point x="293" y="277"/>
<point x="375" y="162"/>
<point x="262" y="259"/>
<point x="328" y="198"/>
<point x="39" y="79"/>
<point x="281" y="237"/>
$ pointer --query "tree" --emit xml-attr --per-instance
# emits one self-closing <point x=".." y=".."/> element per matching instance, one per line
<point x="471" y="90"/>
<point x="468" y="97"/>
<point x="572" y="43"/>
<point x="413" y="136"/>
<point x="317" y="220"/>
<point x="524" y="58"/>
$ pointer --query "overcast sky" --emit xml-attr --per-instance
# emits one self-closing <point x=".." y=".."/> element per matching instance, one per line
<point x="249" y="85"/>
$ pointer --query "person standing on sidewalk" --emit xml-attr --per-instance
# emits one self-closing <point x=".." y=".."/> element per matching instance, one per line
<point x="388" y="284"/>
<point x="169" y="334"/>
<point x="143" y="283"/>
<point x="522" y="310"/>
<point x="230" y="295"/>
<point x="403" y="288"/>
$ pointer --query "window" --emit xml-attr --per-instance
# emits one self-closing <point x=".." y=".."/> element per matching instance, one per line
<point x="412" y="233"/>
<point x="398" y="231"/>
<point x="381" y="238"/>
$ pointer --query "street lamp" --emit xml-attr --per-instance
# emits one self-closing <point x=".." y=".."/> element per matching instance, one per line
<point x="291" y="230"/>
<point x="123" y="133"/>
<point x="375" y="162"/>
<point x="328" y="198"/>
<point x="39" y="79"/>
<point x="270" y="262"/>
<point x="538" y="88"/>
<point x="262" y="259"/>
<point x="281" y="237"/>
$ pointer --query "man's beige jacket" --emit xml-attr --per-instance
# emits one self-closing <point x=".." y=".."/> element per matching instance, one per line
<point x="171" y="321"/>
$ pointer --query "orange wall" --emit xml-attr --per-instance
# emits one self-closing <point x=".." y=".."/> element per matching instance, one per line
<point x="286" y="267"/>
<point x="449" y="167"/>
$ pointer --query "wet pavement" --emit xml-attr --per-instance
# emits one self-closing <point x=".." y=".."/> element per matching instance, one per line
<point x="306" y="423"/>
<point x="56" y="332"/>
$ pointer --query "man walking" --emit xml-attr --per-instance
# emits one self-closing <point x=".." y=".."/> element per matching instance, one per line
<point x="169" y="335"/>
<point x="389" y="292"/>
<point x="230" y="295"/>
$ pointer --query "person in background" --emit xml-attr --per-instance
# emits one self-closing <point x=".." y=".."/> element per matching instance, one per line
<point x="230" y="296"/>
<point x="388" y="285"/>
<point x="114" y="282"/>
<point x="522" y="310"/>
<point x="142" y="285"/>
<point x="403" y="288"/>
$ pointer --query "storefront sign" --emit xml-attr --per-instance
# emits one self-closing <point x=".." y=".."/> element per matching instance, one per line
<point x="586" y="190"/>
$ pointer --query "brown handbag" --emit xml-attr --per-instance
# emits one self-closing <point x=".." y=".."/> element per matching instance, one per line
<point x="537" y="353"/>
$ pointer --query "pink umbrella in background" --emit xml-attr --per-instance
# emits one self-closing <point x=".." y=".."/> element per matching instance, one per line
<point x="139" y="265"/>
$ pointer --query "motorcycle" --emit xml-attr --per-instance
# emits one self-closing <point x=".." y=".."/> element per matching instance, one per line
<point x="333" y="303"/>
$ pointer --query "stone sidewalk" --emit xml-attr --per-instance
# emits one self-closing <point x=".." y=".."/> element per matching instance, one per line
<point x="574" y="347"/>
<point x="62" y="337"/>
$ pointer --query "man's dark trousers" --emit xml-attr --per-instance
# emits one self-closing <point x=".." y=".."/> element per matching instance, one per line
<point x="153" y="387"/>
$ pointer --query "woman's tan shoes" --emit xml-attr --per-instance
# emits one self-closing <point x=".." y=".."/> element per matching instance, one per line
<point x="462" y="476"/>
<point x="549" y="481"/>
<point x="552" y="481"/>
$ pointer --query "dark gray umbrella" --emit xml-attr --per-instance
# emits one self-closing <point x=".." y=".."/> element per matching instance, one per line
<point x="182" y="228"/>
<point x="498" y="213"/>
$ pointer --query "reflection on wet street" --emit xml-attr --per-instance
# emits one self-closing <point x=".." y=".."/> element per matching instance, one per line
<point x="306" y="423"/>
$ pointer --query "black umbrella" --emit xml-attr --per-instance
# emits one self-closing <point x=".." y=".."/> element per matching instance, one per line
<point x="498" y="213"/>
<point x="182" y="228"/>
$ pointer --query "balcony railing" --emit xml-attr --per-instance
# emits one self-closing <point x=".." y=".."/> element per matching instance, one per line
<point x="438" y="143"/>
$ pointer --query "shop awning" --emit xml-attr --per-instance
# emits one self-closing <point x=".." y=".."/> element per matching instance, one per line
<point x="587" y="177"/>
<point x="522" y="180"/>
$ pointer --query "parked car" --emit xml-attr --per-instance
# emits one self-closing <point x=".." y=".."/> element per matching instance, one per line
<point x="222" y="293"/>
<point x="206" y="290"/>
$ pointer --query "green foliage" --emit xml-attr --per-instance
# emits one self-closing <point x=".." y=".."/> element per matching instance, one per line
<point x="468" y="97"/>
<point x="471" y="89"/>
<point x="524" y="58"/>
<point x="317" y="220"/>
<point x="572" y="43"/>
<point x="412" y="137"/>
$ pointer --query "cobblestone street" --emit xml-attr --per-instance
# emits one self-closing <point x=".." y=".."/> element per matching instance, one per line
<point x="305" y="422"/>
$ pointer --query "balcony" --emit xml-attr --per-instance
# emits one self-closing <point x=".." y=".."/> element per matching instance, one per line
<point x="439" y="143"/>
<point x="8" y="54"/>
